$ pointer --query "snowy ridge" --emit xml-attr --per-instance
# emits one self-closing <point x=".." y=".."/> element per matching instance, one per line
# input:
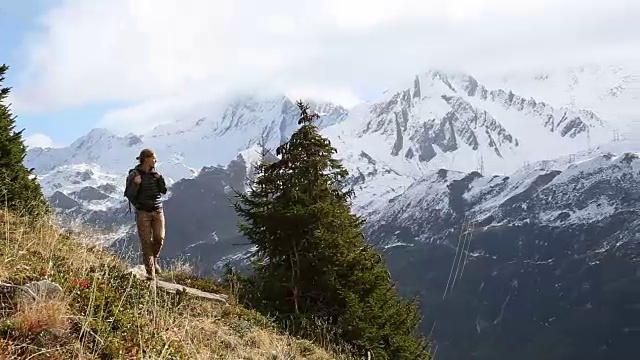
<point x="557" y="192"/>
<point x="183" y="147"/>
<point x="74" y="177"/>
<point x="610" y="90"/>
<point x="452" y="121"/>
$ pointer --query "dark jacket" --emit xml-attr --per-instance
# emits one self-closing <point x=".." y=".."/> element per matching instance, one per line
<point x="145" y="196"/>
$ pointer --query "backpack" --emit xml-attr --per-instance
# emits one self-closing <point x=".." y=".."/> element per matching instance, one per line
<point x="126" y="189"/>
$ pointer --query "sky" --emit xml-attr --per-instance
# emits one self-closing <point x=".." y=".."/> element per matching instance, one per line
<point x="128" y="65"/>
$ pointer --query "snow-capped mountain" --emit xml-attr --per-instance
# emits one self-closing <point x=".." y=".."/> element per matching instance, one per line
<point x="435" y="121"/>
<point x="183" y="146"/>
<point x="612" y="91"/>
<point x="557" y="192"/>
<point x="453" y="121"/>
<point x="543" y="261"/>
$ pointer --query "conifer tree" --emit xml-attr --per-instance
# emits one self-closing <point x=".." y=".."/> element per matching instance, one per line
<point x="311" y="261"/>
<point x="19" y="191"/>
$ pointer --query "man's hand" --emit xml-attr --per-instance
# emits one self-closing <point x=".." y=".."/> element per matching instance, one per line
<point x="137" y="180"/>
<point x="157" y="176"/>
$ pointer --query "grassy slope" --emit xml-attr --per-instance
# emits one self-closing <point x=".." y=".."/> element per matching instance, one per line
<point x="105" y="313"/>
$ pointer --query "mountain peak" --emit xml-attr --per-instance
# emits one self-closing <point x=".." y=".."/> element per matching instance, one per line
<point x="92" y="137"/>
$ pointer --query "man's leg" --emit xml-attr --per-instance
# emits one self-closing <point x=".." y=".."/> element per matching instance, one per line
<point x="158" y="235"/>
<point x="143" y="222"/>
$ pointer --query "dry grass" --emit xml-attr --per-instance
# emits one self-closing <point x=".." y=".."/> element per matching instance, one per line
<point x="105" y="312"/>
<point x="39" y="316"/>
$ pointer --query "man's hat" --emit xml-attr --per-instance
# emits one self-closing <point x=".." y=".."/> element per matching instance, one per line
<point x="145" y="153"/>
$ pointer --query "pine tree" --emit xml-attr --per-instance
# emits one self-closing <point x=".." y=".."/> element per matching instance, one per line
<point x="19" y="191"/>
<point x="311" y="261"/>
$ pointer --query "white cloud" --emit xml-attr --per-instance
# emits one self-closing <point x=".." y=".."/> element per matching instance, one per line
<point x="160" y="56"/>
<point x="40" y="140"/>
<point x="144" y="116"/>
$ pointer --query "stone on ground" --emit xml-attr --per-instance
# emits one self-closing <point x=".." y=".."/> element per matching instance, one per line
<point x="141" y="273"/>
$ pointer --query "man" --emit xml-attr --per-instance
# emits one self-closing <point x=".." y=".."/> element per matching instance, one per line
<point x="144" y="189"/>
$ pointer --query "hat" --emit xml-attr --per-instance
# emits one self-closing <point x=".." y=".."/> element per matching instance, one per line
<point x="145" y="153"/>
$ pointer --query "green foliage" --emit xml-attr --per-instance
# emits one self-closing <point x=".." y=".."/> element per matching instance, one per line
<point x="18" y="191"/>
<point x="312" y="264"/>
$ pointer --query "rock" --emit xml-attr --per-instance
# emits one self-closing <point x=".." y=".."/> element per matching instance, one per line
<point x="173" y="288"/>
<point x="140" y="273"/>
<point x="38" y="290"/>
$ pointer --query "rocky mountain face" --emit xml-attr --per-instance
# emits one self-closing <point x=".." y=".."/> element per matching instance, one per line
<point x="542" y="263"/>
<point x="547" y="262"/>
<point x="452" y="121"/>
<point x="454" y="113"/>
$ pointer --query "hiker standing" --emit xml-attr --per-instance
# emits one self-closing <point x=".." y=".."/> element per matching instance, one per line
<point x="144" y="189"/>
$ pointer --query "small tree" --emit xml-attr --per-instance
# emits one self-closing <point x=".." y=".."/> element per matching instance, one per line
<point x="312" y="263"/>
<point x="19" y="191"/>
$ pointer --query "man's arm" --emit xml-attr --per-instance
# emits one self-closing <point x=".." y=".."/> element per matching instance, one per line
<point x="162" y="185"/>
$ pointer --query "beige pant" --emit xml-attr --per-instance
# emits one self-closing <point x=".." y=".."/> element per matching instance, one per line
<point x="151" y="233"/>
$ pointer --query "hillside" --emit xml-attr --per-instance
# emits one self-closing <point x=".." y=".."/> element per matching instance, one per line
<point x="104" y="311"/>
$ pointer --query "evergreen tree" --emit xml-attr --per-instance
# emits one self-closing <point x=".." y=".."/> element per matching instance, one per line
<point x="312" y="263"/>
<point x="19" y="191"/>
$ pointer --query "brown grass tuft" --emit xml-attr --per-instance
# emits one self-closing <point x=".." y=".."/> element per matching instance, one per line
<point x="36" y="317"/>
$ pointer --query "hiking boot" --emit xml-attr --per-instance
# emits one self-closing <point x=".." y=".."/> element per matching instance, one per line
<point x="150" y="275"/>
<point x="158" y="269"/>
